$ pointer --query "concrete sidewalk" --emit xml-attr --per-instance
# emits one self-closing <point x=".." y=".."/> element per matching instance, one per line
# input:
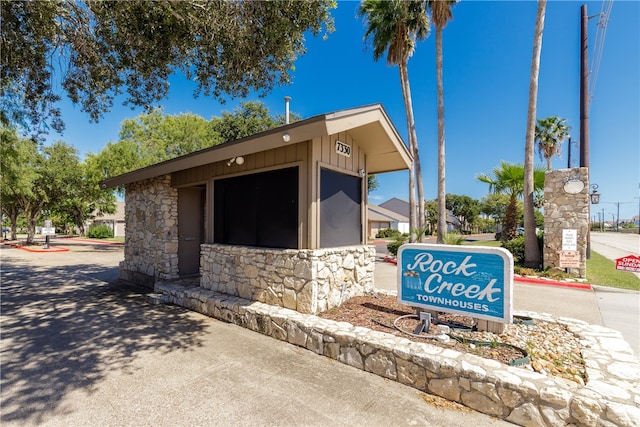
<point x="77" y="350"/>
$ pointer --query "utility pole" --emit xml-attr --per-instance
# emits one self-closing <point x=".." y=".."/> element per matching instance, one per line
<point x="584" y="88"/>
<point x="584" y="110"/>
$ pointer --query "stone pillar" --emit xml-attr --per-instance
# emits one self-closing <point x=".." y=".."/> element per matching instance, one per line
<point x="151" y="235"/>
<point x="566" y="207"/>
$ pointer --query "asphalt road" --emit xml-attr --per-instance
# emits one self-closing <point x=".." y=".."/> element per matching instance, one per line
<point x="78" y="349"/>
<point x="620" y="309"/>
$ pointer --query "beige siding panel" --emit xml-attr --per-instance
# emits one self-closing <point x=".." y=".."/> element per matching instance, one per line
<point x="259" y="160"/>
<point x="265" y="159"/>
<point x="291" y="153"/>
<point x="269" y="158"/>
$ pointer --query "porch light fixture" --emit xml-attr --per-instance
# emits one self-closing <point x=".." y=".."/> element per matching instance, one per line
<point x="594" y="195"/>
<point x="239" y="160"/>
<point x="286" y="137"/>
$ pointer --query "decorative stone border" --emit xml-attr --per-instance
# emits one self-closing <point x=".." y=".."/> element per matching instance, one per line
<point x="611" y="396"/>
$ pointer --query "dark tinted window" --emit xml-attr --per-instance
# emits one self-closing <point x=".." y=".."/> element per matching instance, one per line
<point x="257" y="210"/>
<point x="340" y="211"/>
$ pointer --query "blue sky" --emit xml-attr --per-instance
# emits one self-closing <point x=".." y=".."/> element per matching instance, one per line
<point x="487" y="59"/>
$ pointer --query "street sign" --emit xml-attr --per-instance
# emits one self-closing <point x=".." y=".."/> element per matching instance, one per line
<point x="48" y="231"/>
<point x="628" y="263"/>
<point x="467" y="280"/>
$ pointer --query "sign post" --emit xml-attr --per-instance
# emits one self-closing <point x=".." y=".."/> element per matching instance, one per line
<point x="47" y="231"/>
<point x="465" y="280"/>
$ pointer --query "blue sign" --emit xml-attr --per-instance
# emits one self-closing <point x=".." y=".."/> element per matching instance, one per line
<point x="467" y="280"/>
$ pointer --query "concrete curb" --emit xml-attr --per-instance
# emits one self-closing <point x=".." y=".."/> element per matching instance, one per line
<point x="92" y="241"/>
<point x="36" y="249"/>
<point x="549" y="282"/>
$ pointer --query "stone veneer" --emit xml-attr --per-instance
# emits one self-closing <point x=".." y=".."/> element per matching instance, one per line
<point x="305" y="280"/>
<point x="565" y="211"/>
<point x="151" y="235"/>
<point x="611" y="396"/>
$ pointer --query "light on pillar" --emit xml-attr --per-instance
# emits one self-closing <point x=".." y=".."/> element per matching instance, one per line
<point x="594" y="195"/>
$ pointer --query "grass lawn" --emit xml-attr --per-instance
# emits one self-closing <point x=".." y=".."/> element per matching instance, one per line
<point x="602" y="271"/>
<point x="492" y="243"/>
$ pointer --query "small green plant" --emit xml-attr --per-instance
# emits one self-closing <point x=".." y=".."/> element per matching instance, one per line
<point x="101" y="231"/>
<point x="388" y="233"/>
<point x="393" y="246"/>
<point x="454" y="238"/>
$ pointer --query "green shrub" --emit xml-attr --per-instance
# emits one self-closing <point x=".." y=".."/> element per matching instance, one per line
<point x="101" y="231"/>
<point x="393" y="246"/>
<point x="516" y="247"/>
<point x="388" y="233"/>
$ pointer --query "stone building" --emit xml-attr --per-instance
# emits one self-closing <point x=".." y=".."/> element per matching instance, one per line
<point x="278" y="217"/>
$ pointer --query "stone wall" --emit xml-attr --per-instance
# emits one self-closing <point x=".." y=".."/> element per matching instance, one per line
<point x="151" y="235"/>
<point x="308" y="281"/>
<point x="565" y="211"/>
<point x="611" y="396"/>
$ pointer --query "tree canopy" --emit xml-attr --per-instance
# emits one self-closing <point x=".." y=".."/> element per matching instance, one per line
<point x="49" y="178"/>
<point x="549" y="134"/>
<point x="96" y="50"/>
<point x="509" y="178"/>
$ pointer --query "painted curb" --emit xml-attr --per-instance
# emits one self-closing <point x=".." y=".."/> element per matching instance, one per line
<point x="92" y="241"/>
<point x="534" y="281"/>
<point x="37" y="249"/>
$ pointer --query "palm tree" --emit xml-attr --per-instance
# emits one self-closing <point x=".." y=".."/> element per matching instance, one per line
<point x="440" y="15"/>
<point x="394" y="26"/>
<point x="508" y="179"/>
<point x="532" y="256"/>
<point x="550" y="133"/>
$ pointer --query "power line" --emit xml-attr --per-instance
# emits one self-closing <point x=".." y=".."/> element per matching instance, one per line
<point x="601" y="31"/>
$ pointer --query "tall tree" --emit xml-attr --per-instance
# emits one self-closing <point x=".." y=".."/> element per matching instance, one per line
<point x="440" y="15"/>
<point x="248" y="119"/>
<point x="549" y="134"/>
<point x="394" y="27"/>
<point x="85" y="198"/>
<point x="159" y="137"/>
<point x="509" y="179"/>
<point x="95" y="50"/>
<point x="154" y="137"/>
<point x="464" y="208"/>
<point x="494" y="206"/>
<point x="16" y="177"/>
<point x="532" y="256"/>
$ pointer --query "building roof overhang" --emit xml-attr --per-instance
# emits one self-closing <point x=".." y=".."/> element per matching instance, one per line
<point x="369" y="126"/>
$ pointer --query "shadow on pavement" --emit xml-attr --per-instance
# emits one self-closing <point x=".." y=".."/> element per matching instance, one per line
<point x="64" y="328"/>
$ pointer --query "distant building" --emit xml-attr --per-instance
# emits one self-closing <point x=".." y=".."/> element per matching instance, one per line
<point x="401" y="207"/>
<point x="380" y="218"/>
<point x="115" y="221"/>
